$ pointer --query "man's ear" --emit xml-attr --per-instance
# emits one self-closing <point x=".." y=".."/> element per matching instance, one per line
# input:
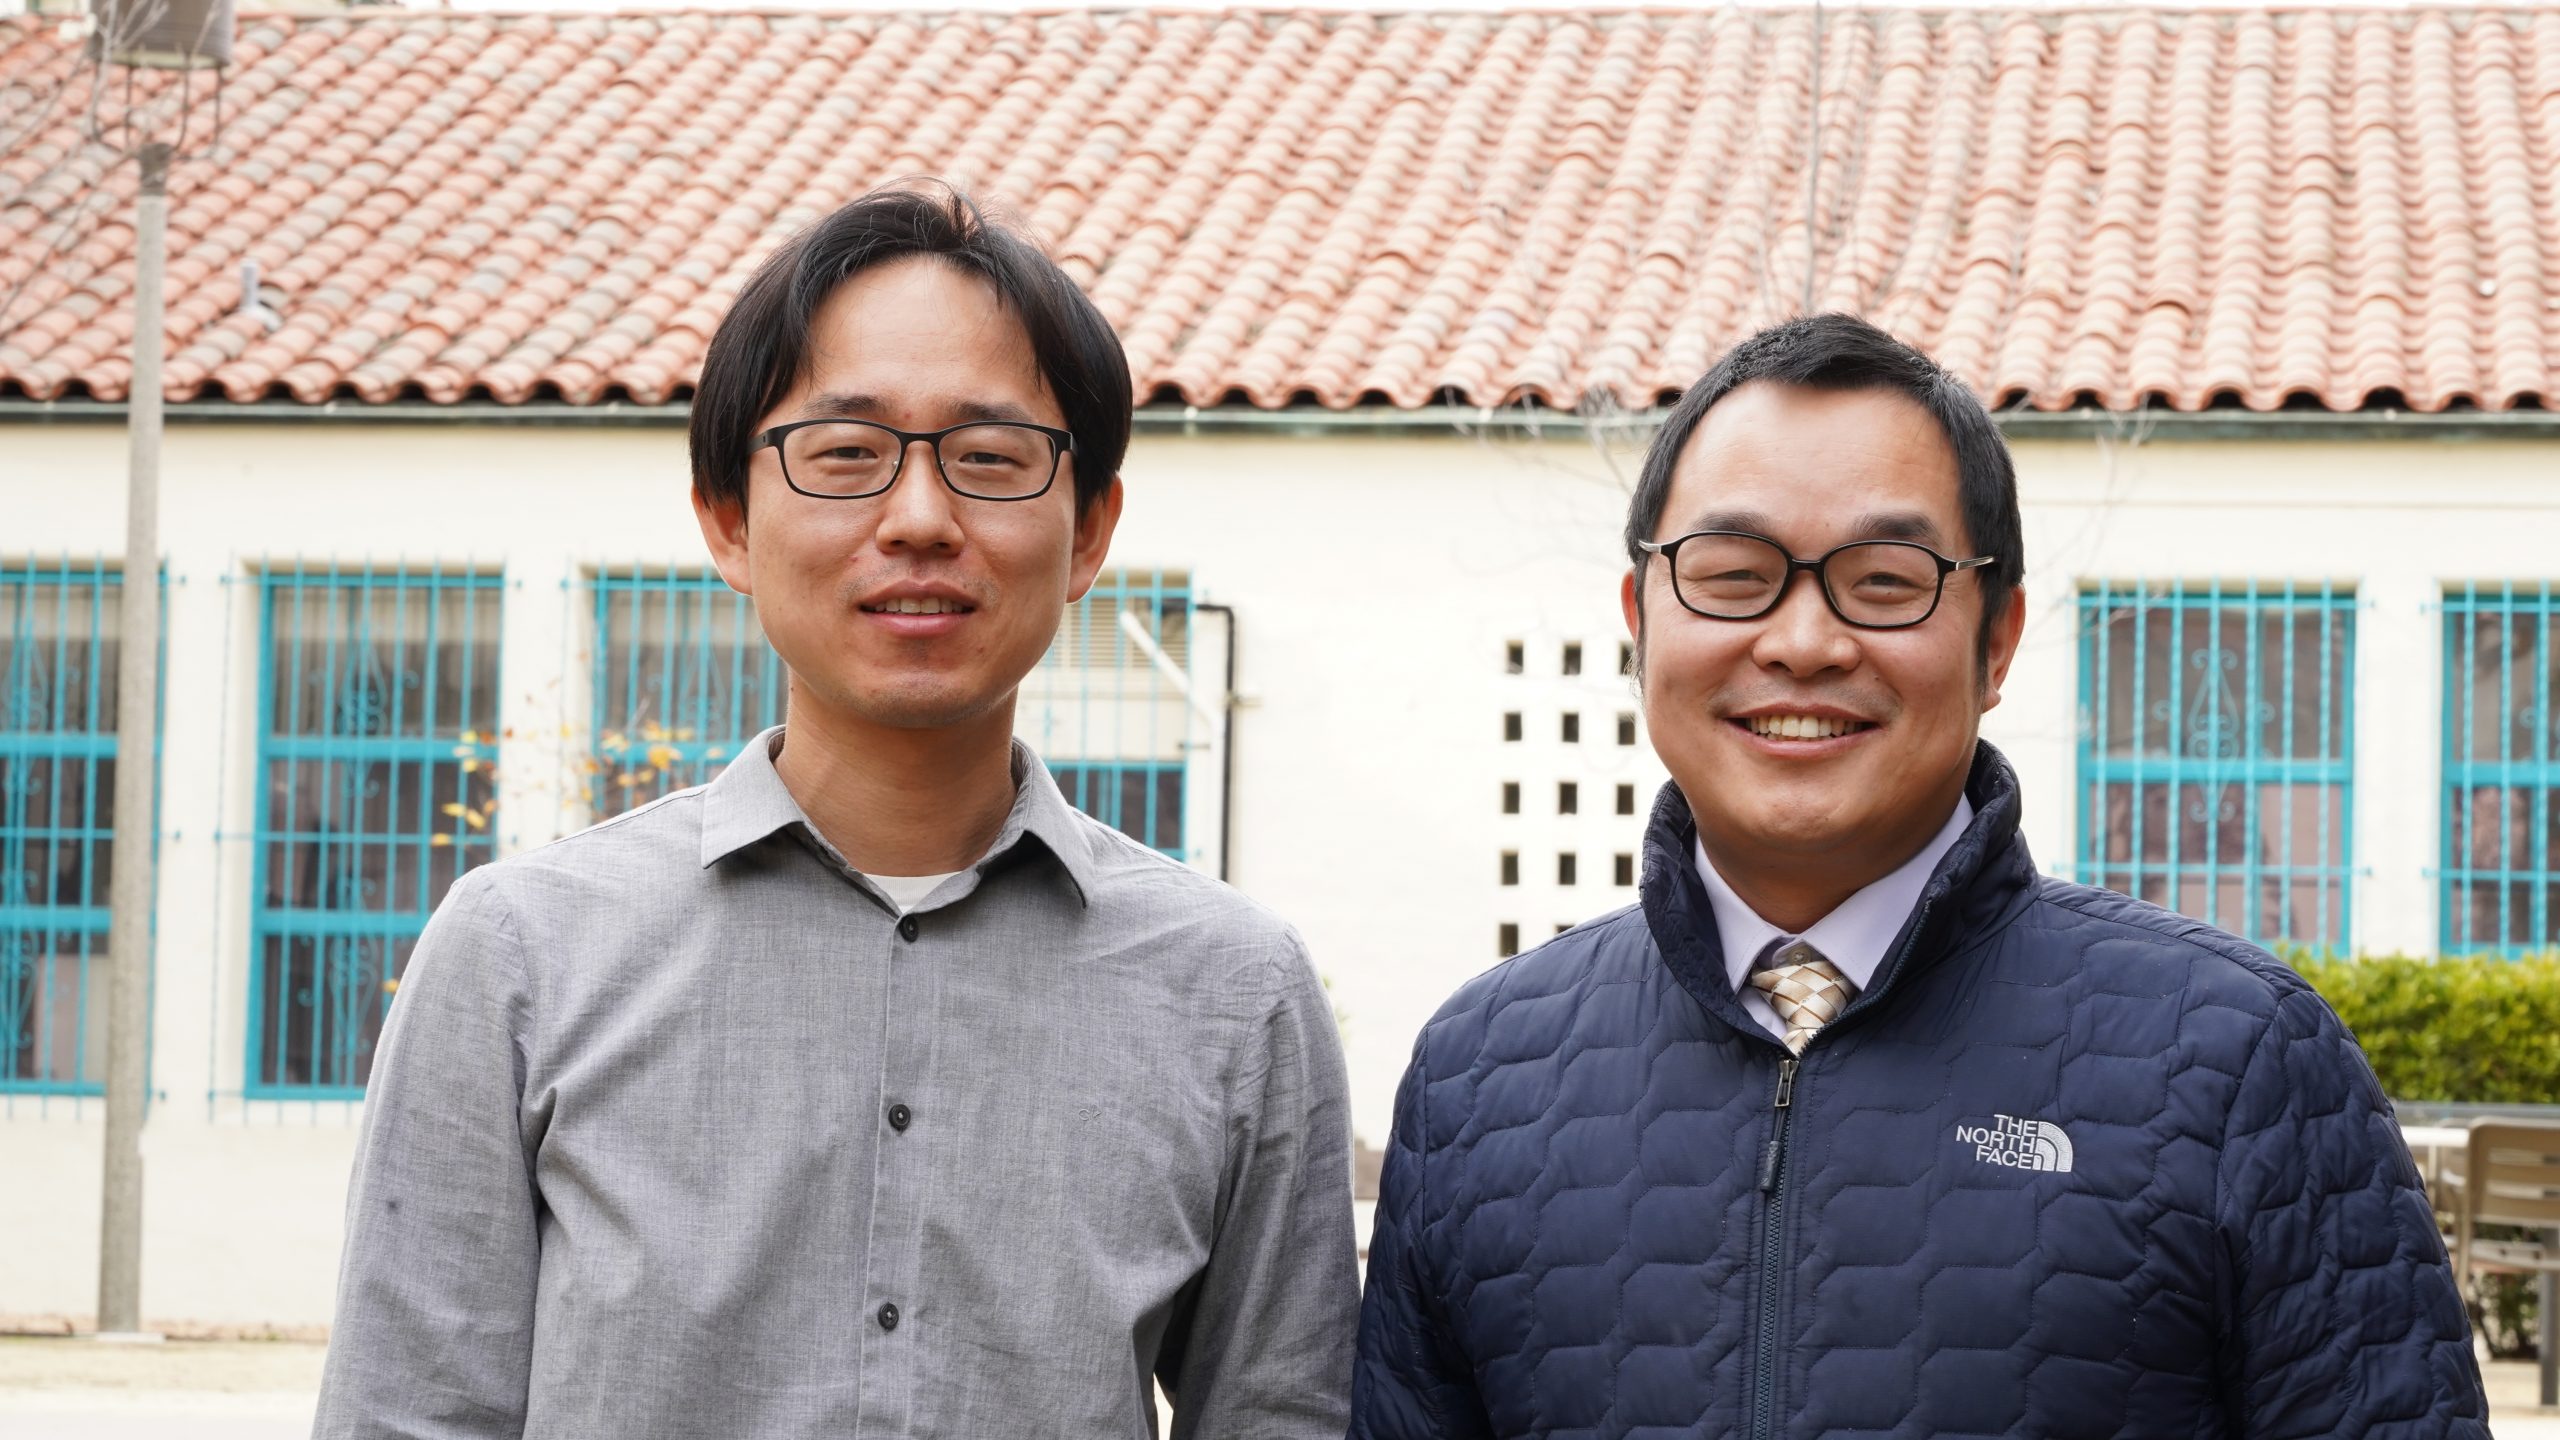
<point x="1631" y="605"/>
<point x="2003" y="649"/>
<point x="724" y="534"/>
<point x="1094" y="526"/>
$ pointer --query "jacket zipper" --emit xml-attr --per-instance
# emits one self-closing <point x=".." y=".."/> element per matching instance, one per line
<point x="1773" y="1185"/>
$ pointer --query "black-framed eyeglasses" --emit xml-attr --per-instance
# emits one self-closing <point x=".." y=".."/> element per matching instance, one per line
<point x="1872" y="584"/>
<point x="853" y="459"/>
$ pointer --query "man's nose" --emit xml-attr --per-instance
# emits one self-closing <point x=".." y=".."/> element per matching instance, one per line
<point x="1804" y="636"/>
<point x="918" y="512"/>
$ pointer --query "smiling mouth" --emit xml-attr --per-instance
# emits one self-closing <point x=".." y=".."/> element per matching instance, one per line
<point x="918" y="607"/>
<point x="1802" y="727"/>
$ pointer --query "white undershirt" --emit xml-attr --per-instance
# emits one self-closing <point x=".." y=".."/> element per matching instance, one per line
<point x="1852" y="937"/>
<point x="908" y="891"/>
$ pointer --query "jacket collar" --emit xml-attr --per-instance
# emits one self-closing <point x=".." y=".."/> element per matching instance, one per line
<point x="747" y="801"/>
<point x="1976" y="883"/>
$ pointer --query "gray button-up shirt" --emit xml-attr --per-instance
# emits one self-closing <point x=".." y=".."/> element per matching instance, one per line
<point x="680" y="1129"/>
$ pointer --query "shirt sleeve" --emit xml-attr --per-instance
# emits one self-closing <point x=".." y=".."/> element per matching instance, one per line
<point x="433" y="1338"/>
<point x="1265" y="1347"/>
<point x="2340" y="1307"/>
<point x="1406" y="1384"/>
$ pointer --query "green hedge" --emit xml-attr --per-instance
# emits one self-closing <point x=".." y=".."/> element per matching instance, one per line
<point x="2473" y="1031"/>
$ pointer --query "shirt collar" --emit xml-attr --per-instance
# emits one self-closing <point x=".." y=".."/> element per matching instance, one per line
<point x="747" y="801"/>
<point x="1853" y="936"/>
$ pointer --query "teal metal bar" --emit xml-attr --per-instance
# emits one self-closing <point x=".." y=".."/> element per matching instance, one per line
<point x="58" y="754"/>
<point x="377" y="735"/>
<point x="2509" y="784"/>
<point x="2202" y="726"/>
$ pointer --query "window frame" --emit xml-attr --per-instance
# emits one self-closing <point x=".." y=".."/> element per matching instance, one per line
<point x="467" y="746"/>
<point x="2324" y="617"/>
<point x="95" y="826"/>
<point x="2536" y="779"/>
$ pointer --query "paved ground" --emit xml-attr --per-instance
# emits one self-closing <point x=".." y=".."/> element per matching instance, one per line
<point x="55" y="1389"/>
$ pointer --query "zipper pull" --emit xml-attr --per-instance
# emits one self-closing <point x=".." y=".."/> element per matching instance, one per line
<point x="1769" y="1152"/>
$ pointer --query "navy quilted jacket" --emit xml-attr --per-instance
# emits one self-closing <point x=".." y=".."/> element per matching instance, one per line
<point x="2071" y="1166"/>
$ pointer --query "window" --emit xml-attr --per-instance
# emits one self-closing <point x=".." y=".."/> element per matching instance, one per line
<point x="58" y="655"/>
<point x="1515" y="658"/>
<point x="1510" y="867"/>
<point x="1572" y="664"/>
<point x="1565" y="864"/>
<point x="2215" y="750"/>
<point x="682" y="678"/>
<point x="2501" y="827"/>
<point x="1626" y="657"/>
<point x="1568" y="797"/>
<point x="1506" y="940"/>
<point x="1625" y="873"/>
<point x="1510" y="797"/>
<point x="1626" y="799"/>
<point x="377" y="738"/>
<point x="1105" y="711"/>
<point x="1511" y="725"/>
<point x="1571" y="728"/>
<point x="1626" y="728"/>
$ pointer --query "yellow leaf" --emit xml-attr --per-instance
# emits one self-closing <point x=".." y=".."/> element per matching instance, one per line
<point x="475" y="820"/>
<point x="439" y="840"/>
<point x="470" y="737"/>
<point x="391" y="986"/>
<point x="469" y="766"/>
<point x="664" y="757"/>
<point x="454" y="810"/>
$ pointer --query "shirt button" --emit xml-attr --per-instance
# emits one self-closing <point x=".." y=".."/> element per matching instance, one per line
<point x="908" y="928"/>
<point x="888" y="1317"/>
<point x="899" y="1115"/>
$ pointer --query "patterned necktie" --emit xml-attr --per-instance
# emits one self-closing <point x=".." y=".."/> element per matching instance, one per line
<point x="1807" y="991"/>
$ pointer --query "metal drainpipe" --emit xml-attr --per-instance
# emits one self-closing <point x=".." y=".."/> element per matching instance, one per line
<point x="1226" y="745"/>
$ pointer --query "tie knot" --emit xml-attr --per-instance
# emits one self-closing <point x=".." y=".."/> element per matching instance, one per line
<point x="1806" y="990"/>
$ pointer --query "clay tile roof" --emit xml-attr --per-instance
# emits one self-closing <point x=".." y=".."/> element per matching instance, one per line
<point x="2329" y="208"/>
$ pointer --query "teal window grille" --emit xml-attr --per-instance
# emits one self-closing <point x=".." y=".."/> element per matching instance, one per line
<point x="58" y="648"/>
<point x="2216" y="749"/>
<point x="2501" y="828"/>
<point x="377" y="745"/>
<point x="682" y="677"/>
<point x="1105" y="711"/>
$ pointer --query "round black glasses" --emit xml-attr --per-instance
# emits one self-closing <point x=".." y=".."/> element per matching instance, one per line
<point x="852" y="459"/>
<point x="1872" y="584"/>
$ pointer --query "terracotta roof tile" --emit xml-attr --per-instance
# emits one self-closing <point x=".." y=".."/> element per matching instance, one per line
<point x="2337" y="207"/>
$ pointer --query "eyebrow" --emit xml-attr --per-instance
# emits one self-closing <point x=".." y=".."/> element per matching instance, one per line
<point x="863" y="407"/>
<point x="1875" y="525"/>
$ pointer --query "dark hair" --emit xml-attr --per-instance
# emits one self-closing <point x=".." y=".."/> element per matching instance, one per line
<point x="1843" y="352"/>
<point x="761" y="349"/>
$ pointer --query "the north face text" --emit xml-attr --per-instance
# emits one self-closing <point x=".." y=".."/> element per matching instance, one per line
<point x="2018" y="1144"/>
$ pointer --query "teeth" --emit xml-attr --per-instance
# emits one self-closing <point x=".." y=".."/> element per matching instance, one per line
<point x="1799" y="727"/>
<point x="919" y="607"/>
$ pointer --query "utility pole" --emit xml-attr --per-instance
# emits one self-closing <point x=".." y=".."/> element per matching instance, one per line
<point x="131" y="894"/>
<point x="182" y="35"/>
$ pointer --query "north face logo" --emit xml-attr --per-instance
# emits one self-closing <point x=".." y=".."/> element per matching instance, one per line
<point x="2018" y="1144"/>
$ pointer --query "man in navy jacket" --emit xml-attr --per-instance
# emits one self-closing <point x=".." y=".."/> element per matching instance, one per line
<point x="1858" y="1125"/>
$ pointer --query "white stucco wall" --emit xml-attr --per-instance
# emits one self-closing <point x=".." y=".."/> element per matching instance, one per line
<point x="1377" y="581"/>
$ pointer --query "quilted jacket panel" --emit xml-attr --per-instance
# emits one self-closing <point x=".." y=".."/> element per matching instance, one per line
<point x="2071" y="1166"/>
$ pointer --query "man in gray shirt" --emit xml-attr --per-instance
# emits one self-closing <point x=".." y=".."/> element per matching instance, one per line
<point x="869" y="1090"/>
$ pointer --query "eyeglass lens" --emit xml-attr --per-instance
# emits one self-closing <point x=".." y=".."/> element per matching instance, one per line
<point x="848" y="458"/>
<point x="1876" y="582"/>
